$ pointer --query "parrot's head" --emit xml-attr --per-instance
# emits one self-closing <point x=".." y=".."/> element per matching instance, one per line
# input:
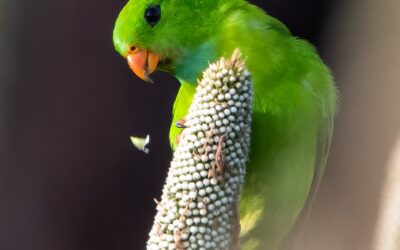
<point x="164" y="34"/>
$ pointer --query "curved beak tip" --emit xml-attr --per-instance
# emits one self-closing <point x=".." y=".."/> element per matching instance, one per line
<point x="148" y="79"/>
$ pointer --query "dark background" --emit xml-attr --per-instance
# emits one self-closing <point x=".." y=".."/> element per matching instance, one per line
<point x="70" y="178"/>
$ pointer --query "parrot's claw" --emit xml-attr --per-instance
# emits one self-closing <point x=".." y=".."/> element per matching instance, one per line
<point x="181" y="123"/>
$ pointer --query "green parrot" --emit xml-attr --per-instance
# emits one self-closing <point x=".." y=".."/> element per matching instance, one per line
<point x="294" y="98"/>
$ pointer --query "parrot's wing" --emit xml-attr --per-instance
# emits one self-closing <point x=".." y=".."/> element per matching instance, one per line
<point x="324" y="145"/>
<point x="324" y="142"/>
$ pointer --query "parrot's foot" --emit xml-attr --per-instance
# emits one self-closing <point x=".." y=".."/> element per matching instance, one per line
<point x="181" y="123"/>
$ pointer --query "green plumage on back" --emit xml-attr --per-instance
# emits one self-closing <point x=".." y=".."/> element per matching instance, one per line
<point x="294" y="101"/>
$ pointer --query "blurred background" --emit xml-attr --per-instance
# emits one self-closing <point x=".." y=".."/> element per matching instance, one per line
<point x="70" y="178"/>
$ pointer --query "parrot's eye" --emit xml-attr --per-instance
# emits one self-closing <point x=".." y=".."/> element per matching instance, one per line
<point x="152" y="15"/>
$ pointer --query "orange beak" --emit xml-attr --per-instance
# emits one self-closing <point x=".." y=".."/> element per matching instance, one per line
<point x="143" y="63"/>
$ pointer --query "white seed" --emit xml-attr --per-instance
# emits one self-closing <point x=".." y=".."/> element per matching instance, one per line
<point x="196" y="220"/>
<point x="194" y="229"/>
